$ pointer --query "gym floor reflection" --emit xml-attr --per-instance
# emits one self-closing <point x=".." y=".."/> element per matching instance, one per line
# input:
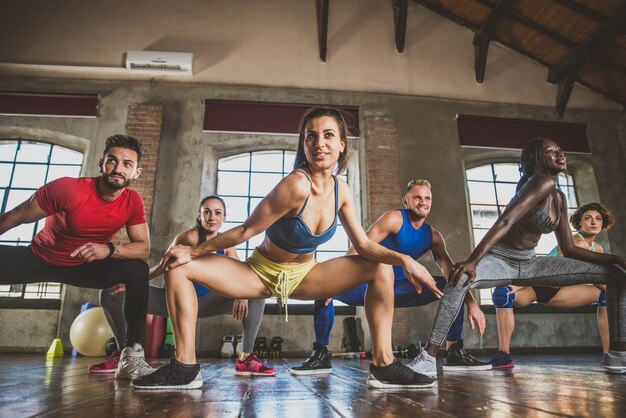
<point x="539" y="385"/>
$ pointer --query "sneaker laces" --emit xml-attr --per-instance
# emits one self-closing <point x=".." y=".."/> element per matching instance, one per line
<point x="253" y="362"/>
<point x="113" y="359"/>
<point x="421" y="358"/>
<point x="138" y="364"/>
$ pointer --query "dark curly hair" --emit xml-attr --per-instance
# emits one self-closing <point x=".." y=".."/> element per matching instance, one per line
<point x="124" y="141"/>
<point x="315" y="113"/>
<point x="577" y="217"/>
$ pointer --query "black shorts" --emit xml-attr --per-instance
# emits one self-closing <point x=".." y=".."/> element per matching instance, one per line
<point x="545" y="293"/>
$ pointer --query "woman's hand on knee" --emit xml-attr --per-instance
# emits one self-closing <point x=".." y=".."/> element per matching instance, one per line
<point x="176" y="256"/>
<point x="464" y="267"/>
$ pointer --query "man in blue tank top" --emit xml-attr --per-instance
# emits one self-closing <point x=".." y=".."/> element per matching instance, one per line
<point x="405" y="231"/>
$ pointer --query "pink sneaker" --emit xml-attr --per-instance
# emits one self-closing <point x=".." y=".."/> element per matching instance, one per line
<point x="109" y="365"/>
<point x="252" y="366"/>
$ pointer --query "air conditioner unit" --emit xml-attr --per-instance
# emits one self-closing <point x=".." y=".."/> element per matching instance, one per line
<point x="159" y="63"/>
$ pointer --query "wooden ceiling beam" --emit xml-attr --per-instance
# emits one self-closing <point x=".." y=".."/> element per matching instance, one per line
<point x="582" y="10"/>
<point x="322" y="27"/>
<point x="551" y="34"/>
<point x="576" y="56"/>
<point x="400" y="12"/>
<point x="565" y="90"/>
<point x="482" y="37"/>
<point x="611" y="95"/>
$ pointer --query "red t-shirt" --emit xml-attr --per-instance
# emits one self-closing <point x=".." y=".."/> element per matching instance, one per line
<point x="78" y="215"/>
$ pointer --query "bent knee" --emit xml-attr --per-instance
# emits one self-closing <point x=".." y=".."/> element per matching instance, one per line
<point x="383" y="272"/>
<point x="179" y="274"/>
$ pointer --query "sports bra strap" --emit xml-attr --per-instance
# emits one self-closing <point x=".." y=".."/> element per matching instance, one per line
<point x="307" y="198"/>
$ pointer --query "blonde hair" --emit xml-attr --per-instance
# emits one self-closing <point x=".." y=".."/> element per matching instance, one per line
<point x="418" y="182"/>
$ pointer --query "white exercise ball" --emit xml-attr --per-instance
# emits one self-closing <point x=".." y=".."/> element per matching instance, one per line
<point x="90" y="332"/>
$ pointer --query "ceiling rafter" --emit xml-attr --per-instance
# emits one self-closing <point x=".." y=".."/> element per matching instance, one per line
<point x="566" y="70"/>
<point x="577" y="54"/>
<point x="482" y="37"/>
<point x="549" y="33"/>
<point x="322" y="27"/>
<point x="400" y="12"/>
<point x="582" y="10"/>
<point x="442" y="11"/>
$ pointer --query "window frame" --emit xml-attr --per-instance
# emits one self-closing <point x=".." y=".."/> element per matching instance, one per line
<point x="20" y="302"/>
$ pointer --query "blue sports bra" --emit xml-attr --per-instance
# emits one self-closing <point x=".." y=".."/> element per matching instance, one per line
<point x="201" y="290"/>
<point x="293" y="235"/>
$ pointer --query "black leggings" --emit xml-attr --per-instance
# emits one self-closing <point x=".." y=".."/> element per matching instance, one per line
<point x="18" y="265"/>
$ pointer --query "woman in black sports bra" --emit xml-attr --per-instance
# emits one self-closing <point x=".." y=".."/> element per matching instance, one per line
<point x="506" y="255"/>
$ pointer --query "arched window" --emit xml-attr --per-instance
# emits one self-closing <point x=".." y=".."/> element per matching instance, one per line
<point x="24" y="167"/>
<point x="243" y="180"/>
<point x="490" y="188"/>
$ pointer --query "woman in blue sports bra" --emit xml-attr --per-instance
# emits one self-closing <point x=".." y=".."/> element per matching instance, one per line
<point x="506" y="255"/>
<point x="589" y="220"/>
<point x="299" y="214"/>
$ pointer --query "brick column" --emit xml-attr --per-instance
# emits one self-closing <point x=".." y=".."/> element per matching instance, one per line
<point x="144" y="123"/>
<point x="385" y="190"/>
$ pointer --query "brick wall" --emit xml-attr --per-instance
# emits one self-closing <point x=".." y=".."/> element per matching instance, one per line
<point x="144" y="123"/>
<point x="384" y="190"/>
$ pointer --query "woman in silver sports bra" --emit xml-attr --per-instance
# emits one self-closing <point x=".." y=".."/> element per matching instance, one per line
<point x="589" y="220"/>
<point x="506" y="255"/>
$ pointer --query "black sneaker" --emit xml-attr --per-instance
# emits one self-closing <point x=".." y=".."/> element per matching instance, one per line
<point x="317" y="363"/>
<point x="397" y="375"/>
<point x="174" y="375"/>
<point x="455" y="359"/>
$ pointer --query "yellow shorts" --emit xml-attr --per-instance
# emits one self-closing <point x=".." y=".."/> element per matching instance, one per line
<point x="280" y="279"/>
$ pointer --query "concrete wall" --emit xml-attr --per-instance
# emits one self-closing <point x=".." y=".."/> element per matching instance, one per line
<point x="428" y="147"/>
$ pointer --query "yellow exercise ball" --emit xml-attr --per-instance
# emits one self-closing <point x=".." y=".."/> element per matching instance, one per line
<point x="90" y="332"/>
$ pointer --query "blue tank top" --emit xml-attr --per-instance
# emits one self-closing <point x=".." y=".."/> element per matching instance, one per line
<point x="293" y="235"/>
<point x="555" y="251"/>
<point x="201" y="290"/>
<point x="410" y="241"/>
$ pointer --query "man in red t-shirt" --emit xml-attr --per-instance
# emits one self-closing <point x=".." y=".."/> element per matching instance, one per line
<point x="83" y="215"/>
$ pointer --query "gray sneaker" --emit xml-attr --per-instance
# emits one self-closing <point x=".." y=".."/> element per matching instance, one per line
<point x="424" y="364"/>
<point x="132" y="364"/>
<point x="614" y="362"/>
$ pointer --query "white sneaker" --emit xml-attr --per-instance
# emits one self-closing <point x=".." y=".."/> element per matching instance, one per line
<point x="132" y="363"/>
<point x="424" y="364"/>
<point x="614" y="362"/>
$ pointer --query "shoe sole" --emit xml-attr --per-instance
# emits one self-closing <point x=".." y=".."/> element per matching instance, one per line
<point x="506" y="366"/>
<point x="615" y="370"/>
<point x="127" y="376"/>
<point x="189" y="386"/>
<point x="103" y="371"/>
<point x="377" y="384"/>
<point x="466" y="368"/>
<point x="237" y="373"/>
<point x="308" y="372"/>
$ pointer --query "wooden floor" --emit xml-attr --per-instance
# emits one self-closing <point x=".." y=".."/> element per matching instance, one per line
<point x="540" y="385"/>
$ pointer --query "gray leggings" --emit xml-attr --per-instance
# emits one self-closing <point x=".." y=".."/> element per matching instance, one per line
<point x="209" y="304"/>
<point x="504" y="265"/>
